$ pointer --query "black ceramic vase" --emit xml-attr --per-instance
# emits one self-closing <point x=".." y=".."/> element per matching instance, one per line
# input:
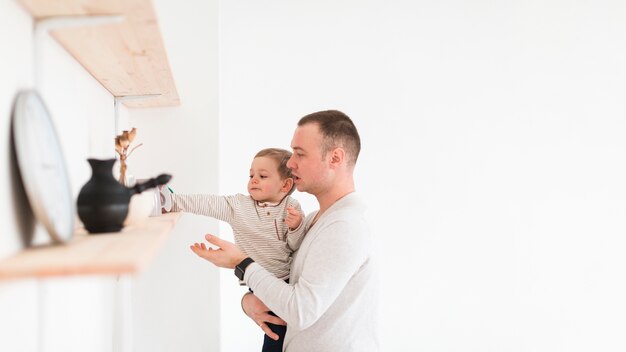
<point x="103" y="202"/>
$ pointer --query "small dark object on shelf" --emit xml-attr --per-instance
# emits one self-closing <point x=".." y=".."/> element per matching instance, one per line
<point x="103" y="201"/>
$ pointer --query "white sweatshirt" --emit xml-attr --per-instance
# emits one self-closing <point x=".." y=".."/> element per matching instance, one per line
<point x="332" y="301"/>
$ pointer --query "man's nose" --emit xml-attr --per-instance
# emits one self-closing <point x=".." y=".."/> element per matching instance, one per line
<point x="290" y="163"/>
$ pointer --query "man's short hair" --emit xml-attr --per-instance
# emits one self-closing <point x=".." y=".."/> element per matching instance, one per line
<point x="337" y="130"/>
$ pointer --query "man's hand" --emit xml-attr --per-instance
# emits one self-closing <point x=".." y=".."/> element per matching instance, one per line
<point x="259" y="313"/>
<point x="228" y="255"/>
<point x="293" y="218"/>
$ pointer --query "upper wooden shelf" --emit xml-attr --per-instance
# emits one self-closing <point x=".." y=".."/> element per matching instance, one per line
<point x="125" y="252"/>
<point x="127" y="58"/>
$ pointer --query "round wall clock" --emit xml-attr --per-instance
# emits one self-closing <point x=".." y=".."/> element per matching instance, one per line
<point x="42" y="166"/>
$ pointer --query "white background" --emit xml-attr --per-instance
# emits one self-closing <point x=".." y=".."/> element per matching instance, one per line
<point x="492" y="163"/>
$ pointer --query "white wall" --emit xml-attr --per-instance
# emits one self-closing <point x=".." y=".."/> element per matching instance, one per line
<point x="46" y="315"/>
<point x="492" y="145"/>
<point x="11" y="18"/>
<point x="173" y="301"/>
<point x="178" y="294"/>
<point x="491" y="161"/>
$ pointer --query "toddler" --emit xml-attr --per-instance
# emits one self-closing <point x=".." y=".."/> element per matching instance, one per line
<point x="267" y="223"/>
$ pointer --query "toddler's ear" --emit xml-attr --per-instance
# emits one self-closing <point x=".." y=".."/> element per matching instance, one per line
<point x="287" y="184"/>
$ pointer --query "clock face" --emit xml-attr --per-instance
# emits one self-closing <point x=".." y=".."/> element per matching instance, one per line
<point x="42" y="166"/>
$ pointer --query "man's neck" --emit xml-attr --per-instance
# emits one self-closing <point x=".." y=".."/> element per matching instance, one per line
<point x="327" y="199"/>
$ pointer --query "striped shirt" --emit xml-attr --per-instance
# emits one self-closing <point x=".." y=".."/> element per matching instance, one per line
<point x="259" y="228"/>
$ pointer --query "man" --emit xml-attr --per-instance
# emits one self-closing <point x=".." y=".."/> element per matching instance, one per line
<point x="331" y="301"/>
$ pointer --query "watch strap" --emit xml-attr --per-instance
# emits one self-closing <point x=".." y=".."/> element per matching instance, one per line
<point x="240" y="269"/>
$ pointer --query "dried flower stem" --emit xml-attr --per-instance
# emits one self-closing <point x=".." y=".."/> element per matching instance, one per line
<point x="135" y="147"/>
<point x="122" y="143"/>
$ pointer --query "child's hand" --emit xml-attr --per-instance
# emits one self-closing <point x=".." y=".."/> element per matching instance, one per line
<point x="293" y="218"/>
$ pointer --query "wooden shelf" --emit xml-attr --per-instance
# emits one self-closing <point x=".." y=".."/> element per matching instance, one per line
<point x="127" y="58"/>
<point x="123" y="252"/>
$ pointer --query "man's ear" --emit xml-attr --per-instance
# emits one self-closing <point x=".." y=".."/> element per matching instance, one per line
<point x="337" y="156"/>
<point x="287" y="185"/>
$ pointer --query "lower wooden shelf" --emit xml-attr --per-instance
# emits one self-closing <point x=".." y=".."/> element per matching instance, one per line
<point x="125" y="252"/>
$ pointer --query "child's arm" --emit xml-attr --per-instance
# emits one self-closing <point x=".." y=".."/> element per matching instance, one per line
<point x="295" y="222"/>
<point x="218" y="207"/>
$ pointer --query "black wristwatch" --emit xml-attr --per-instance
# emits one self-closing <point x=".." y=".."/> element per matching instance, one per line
<point x="240" y="269"/>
